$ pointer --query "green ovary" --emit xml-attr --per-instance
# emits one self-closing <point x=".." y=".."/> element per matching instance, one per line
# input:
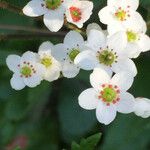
<point x="74" y="52"/>
<point x="46" y="61"/>
<point x="52" y="4"/>
<point x="131" y="36"/>
<point x="109" y="94"/>
<point x="121" y="15"/>
<point x="26" y="71"/>
<point x="106" y="57"/>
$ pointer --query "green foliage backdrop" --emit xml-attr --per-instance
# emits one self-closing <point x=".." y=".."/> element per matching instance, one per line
<point x="49" y="116"/>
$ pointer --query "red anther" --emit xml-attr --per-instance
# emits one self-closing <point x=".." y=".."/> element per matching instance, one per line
<point x="18" y="65"/>
<point x="102" y="92"/>
<point x="118" y="91"/>
<point x="28" y="63"/>
<point x="110" y="86"/>
<point x="118" y="99"/>
<point x="108" y="104"/>
<point x="119" y="7"/>
<point x="115" y="86"/>
<point x="129" y="15"/>
<point x="31" y="66"/>
<point x="114" y="102"/>
<point x="116" y="14"/>
<point x="128" y="6"/>
<point x="24" y="62"/>
<point x="103" y="85"/>
<point x="34" y="71"/>
<point x="103" y="100"/>
<point x="42" y="5"/>
<point x="99" y="97"/>
<point x="26" y="76"/>
<point x="21" y="76"/>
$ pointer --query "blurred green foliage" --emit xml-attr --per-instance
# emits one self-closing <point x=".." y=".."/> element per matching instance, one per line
<point x="49" y="116"/>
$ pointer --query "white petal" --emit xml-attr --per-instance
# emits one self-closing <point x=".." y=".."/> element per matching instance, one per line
<point x="105" y="114"/>
<point x="132" y="50"/>
<point x="17" y="82"/>
<point x="126" y="103"/>
<point x="29" y="57"/>
<point x="126" y="65"/>
<point x="132" y="3"/>
<point x="86" y="60"/>
<point x="72" y="39"/>
<point x="54" y="20"/>
<point x="53" y="72"/>
<point x="96" y="39"/>
<point x="12" y="62"/>
<point x="117" y="42"/>
<point x="34" y="8"/>
<point x="99" y="77"/>
<point x="144" y="43"/>
<point x="93" y="26"/>
<point x="70" y="70"/>
<point x="46" y="47"/>
<point x="88" y="99"/>
<point x="123" y="80"/>
<point x="105" y="15"/>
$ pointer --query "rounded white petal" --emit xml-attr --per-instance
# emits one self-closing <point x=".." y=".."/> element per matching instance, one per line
<point x="117" y="42"/>
<point x="12" y="62"/>
<point x="54" y="20"/>
<point x="34" y="8"/>
<point x="132" y="3"/>
<point x="96" y="39"/>
<point x="142" y="107"/>
<point x="144" y="43"/>
<point x="53" y="72"/>
<point x="88" y="99"/>
<point x="72" y="39"/>
<point x="86" y="60"/>
<point x="69" y="70"/>
<point x="123" y="80"/>
<point x="59" y="52"/>
<point x="46" y="47"/>
<point x="99" y="77"/>
<point x="126" y="103"/>
<point x="93" y="26"/>
<point x="29" y="57"/>
<point x="105" y="114"/>
<point x="17" y="82"/>
<point x="126" y="65"/>
<point x="105" y="15"/>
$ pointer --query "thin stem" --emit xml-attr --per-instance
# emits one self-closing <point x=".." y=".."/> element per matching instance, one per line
<point x="30" y="36"/>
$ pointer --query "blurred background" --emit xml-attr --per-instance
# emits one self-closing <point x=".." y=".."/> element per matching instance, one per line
<point x="48" y="117"/>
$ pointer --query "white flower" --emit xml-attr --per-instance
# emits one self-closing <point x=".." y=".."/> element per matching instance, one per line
<point x="67" y="52"/>
<point x="142" y="107"/>
<point x="122" y="12"/>
<point x="52" y="66"/>
<point x="27" y="72"/>
<point x="136" y="40"/>
<point x="53" y="11"/>
<point x="103" y="52"/>
<point x="108" y="95"/>
<point x="79" y="12"/>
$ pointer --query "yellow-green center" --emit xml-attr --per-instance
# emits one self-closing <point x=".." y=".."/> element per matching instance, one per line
<point x="106" y="57"/>
<point x="131" y="36"/>
<point x="52" y="4"/>
<point x="26" y="71"/>
<point x="46" y="61"/>
<point x="109" y="94"/>
<point x="121" y="15"/>
<point x="74" y="52"/>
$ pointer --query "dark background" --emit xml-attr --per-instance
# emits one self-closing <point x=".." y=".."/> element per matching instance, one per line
<point x="48" y="117"/>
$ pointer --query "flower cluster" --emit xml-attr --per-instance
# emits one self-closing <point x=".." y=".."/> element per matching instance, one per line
<point x="108" y="53"/>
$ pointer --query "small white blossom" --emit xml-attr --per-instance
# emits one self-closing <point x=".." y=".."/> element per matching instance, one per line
<point x="103" y="52"/>
<point x="78" y="12"/>
<point x="67" y="52"/>
<point x="108" y="95"/>
<point x="142" y="107"/>
<point x="122" y="12"/>
<point x="52" y="66"/>
<point x="27" y="71"/>
<point x="53" y="11"/>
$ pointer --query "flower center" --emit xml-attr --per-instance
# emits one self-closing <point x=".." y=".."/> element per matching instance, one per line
<point x="106" y="57"/>
<point x="46" y="61"/>
<point x="75" y="14"/>
<point x="53" y="4"/>
<point x="121" y="14"/>
<point x="109" y="94"/>
<point x="26" y="71"/>
<point x="74" y="52"/>
<point x="131" y="36"/>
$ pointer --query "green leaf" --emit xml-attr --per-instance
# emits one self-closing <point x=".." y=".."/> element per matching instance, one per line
<point x="88" y="144"/>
